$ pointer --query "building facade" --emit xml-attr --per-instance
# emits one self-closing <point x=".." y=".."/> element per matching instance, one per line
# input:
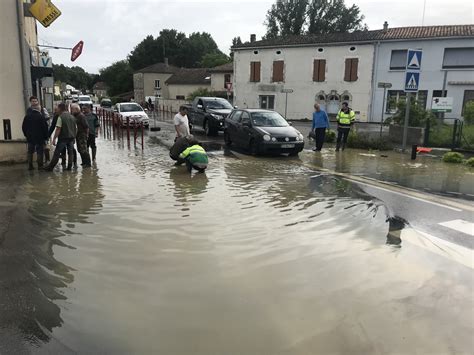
<point x="222" y="78"/>
<point x="150" y="81"/>
<point x="290" y="74"/>
<point x="15" y="78"/>
<point x="447" y="63"/>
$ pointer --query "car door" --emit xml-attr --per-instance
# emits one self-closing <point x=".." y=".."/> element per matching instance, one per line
<point x="232" y="125"/>
<point x="199" y="114"/>
<point x="244" y="130"/>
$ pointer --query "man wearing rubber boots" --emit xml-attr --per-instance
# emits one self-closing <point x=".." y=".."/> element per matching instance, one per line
<point x="345" y="120"/>
<point x="93" y="122"/>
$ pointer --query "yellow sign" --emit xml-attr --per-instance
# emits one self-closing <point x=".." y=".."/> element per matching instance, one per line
<point x="45" y="12"/>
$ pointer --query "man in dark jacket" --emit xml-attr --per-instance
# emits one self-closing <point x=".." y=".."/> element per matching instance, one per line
<point x="35" y="129"/>
<point x="180" y="146"/>
<point x="82" y="135"/>
<point x="65" y="134"/>
<point x="94" y="124"/>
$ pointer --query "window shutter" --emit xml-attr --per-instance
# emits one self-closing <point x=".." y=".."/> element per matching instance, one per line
<point x="350" y="72"/>
<point x="322" y="70"/>
<point x="278" y="71"/>
<point x="254" y="71"/>
<point x="354" y="68"/>
<point x="257" y="71"/>
<point x="347" y="70"/>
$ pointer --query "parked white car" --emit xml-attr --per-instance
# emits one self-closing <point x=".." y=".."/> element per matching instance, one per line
<point x="85" y="100"/>
<point x="133" y="111"/>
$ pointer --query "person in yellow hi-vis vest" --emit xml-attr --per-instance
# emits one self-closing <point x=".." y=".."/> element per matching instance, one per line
<point x="345" y="120"/>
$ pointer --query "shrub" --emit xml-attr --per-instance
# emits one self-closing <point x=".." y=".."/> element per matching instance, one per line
<point x="453" y="157"/>
<point x="418" y="115"/>
<point x="469" y="112"/>
<point x="330" y="137"/>
<point x="360" y="141"/>
<point x="470" y="162"/>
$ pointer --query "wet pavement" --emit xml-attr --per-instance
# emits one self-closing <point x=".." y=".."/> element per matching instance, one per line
<point x="256" y="256"/>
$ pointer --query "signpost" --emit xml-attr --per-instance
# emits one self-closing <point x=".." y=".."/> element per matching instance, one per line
<point x="45" y="12"/>
<point x="442" y="104"/>
<point x="77" y="50"/>
<point x="385" y="86"/>
<point x="286" y="92"/>
<point x="229" y="89"/>
<point x="412" y="83"/>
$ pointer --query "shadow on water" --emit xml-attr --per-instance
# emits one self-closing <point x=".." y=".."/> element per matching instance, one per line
<point x="44" y="209"/>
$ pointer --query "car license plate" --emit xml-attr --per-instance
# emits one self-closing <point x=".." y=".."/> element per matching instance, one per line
<point x="287" y="145"/>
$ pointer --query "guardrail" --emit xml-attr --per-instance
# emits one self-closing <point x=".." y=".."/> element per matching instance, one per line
<point x="115" y="127"/>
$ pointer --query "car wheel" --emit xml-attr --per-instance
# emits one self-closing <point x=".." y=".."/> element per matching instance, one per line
<point x="227" y="140"/>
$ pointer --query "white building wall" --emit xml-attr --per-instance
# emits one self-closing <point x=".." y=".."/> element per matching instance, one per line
<point x="12" y="104"/>
<point x="184" y="90"/>
<point x="298" y="74"/>
<point x="217" y="81"/>
<point x="432" y="74"/>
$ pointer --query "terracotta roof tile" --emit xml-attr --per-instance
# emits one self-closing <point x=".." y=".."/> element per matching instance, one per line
<point x="160" y="68"/>
<point x="195" y="76"/>
<point x="397" y="33"/>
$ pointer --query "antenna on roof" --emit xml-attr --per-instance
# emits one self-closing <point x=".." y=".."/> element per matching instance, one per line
<point x="423" y="17"/>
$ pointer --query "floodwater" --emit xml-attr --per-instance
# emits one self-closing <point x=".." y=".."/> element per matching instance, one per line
<point x="253" y="257"/>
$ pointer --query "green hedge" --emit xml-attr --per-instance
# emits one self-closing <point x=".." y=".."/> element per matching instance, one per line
<point x="453" y="157"/>
<point x="360" y="141"/>
<point x="470" y="162"/>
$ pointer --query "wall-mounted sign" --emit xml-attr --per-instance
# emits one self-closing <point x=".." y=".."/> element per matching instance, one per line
<point x="45" y="12"/>
<point x="442" y="104"/>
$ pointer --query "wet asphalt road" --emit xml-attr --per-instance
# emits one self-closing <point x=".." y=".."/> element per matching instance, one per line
<point x="256" y="256"/>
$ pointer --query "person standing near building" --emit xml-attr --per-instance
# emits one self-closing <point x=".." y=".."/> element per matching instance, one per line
<point x="65" y="134"/>
<point x="82" y="135"/>
<point x="320" y="125"/>
<point x="345" y="120"/>
<point x="94" y="124"/>
<point x="181" y="123"/>
<point x="35" y="129"/>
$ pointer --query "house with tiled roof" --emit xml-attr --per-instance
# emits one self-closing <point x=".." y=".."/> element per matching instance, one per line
<point x="337" y="67"/>
<point x="187" y="80"/>
<point x="222" y="78"/>
<point x="150" y="81"/>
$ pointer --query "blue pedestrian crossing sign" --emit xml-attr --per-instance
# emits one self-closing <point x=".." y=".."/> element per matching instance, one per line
<point x="414" y="59"/>
<point x="412" y="81"/>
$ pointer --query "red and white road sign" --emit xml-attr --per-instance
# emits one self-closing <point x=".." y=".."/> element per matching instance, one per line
<point x="76" y="51"/>
<point x="229" y="86"/>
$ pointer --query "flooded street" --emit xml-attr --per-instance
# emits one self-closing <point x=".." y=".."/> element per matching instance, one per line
<point x="256" y="256"/>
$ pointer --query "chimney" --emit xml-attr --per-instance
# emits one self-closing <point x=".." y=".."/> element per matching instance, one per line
<point x="253" y="38"/>
<point x="166" y="61"/>
<point x="385" y="26"/>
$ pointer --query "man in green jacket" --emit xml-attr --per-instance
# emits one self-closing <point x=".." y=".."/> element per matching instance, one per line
<point x="195" y="157"/>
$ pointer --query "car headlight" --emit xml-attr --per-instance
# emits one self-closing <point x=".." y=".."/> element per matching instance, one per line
<point x="266" y="137"/>
<point x="217" y="117"/>
<point x="274" y="139"/>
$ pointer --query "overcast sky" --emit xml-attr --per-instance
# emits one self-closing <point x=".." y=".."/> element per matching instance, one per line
<point x="111" y="29"/>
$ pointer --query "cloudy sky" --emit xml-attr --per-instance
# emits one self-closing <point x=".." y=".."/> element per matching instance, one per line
<point x="111" y="29"/>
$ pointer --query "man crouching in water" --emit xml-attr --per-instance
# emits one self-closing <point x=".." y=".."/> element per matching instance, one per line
<point x="195" y="156"/>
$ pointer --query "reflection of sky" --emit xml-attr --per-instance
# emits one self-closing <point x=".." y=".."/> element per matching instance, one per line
<point x="47" y="208"/>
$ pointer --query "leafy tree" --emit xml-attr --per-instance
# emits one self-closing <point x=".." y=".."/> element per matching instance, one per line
<point x="236" y="41"/>
<point x="418" y="115"/>
<point x="180" y="50"/>
<point x="297" y="17"/>
<point x="75" y="76"/>
<point x="211" y="60"/>
<point x="118" y="77"/>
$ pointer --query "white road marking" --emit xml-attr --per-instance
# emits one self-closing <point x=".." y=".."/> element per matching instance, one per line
<point x="406" y="195"/>
<point x="439" y="246"/>
<point x="460" y="225"/>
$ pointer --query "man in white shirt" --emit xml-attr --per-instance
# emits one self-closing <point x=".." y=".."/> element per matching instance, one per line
<point x="181" y="123"/>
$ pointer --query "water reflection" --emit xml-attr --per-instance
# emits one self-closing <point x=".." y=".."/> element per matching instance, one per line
<point x="46" y="209"/>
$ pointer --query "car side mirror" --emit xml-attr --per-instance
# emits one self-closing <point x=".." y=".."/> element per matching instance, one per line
<point x="290" y="123"/>
<point x="200" y="107"/>
<point x="246" y="123"/>
<point x="236" y="107"/>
